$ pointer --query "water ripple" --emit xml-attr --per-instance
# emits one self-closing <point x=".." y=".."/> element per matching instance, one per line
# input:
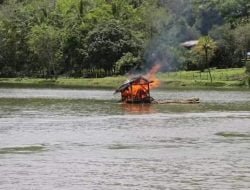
<point x="23" y="149"/>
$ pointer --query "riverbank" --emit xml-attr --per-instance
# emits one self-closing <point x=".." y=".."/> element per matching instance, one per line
<point x="222" y="78"/>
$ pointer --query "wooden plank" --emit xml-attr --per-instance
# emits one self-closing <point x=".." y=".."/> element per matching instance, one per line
<point x="178" y="101"/>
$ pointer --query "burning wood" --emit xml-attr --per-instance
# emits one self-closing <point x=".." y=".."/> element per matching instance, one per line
<point x="137" y="90"/>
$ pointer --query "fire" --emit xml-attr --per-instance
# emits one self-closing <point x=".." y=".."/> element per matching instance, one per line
<point x="138" y="108"/>
<point x="140" y="90"/>
<point x="151" y="76"/>
<point x="137" y="90"/>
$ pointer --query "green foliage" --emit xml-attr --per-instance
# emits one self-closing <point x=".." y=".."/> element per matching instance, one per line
<point x="242" y="36"/>
<point x="205" y="50"/>
<point x="126" y="63"/>
<point x="234" y="12"/>
<point x="206" y="46"/>
<point x="45" y="42"/>
<point x="107" y="43"/>
<point x="69" y="37"/>
<point x="227" y="54"/>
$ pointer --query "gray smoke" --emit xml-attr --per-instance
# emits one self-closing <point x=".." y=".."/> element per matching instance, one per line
<point x="181" y="24"/>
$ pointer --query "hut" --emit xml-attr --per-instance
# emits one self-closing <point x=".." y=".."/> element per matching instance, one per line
<point x="137" y="90"/>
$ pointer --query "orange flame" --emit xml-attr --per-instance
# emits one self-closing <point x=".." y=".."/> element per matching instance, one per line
<point x="140" y="90"/>
<point x="137" y="108"/>
<point x="151" y="76"/>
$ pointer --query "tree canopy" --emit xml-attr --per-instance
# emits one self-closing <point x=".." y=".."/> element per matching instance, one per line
<point x="47" y="38"/>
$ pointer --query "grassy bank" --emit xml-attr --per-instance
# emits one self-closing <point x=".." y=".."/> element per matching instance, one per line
<point x="102" y="83"/>
<point x="222" y="78"/>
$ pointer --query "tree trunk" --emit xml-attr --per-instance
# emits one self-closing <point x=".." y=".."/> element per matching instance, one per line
<point x="206" y="60"/>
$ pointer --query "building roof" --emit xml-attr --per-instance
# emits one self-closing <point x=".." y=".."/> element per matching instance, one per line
<point x="136" y="80"/>
<point x="189" y="44"/>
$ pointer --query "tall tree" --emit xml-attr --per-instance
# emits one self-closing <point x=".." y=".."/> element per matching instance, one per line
<point x="205" y="48"/>
<point x="44" y="41"/>
<point x="242" y="36"/>
<point x="108" y="42"/>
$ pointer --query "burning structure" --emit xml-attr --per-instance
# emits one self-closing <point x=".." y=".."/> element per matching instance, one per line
<point x="137" y="90"/>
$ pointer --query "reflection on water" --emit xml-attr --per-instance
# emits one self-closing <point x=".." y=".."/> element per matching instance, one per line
<point x="138" y="108"/>
<point x="94" y="143"/>
<point x="22" y="149"/>
<point x="233" y="134"/>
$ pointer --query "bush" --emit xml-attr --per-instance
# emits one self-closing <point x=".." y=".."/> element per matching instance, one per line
<point x="127" y="62"/>
<point x="7" y="71"/>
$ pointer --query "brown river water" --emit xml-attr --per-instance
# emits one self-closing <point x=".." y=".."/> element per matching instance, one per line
<point x="84" y="139"/>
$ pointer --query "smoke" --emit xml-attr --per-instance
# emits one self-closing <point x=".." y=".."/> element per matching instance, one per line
<point x="151" y="76"/>
<point x="156" y="68"/>
<point x="180" y="23"/>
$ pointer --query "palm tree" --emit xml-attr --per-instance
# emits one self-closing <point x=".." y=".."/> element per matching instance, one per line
<point x="205" y="48"/>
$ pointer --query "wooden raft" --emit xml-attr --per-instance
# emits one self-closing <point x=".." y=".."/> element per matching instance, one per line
<point x="178" y="101"/>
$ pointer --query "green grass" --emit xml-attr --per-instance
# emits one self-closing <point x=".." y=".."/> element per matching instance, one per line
<point x="222" y="78"/>
<point x="105" y="83"/>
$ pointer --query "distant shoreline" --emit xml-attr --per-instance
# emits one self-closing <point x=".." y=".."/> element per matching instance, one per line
<point x="164" y="85"/>
<point x="232" y="79"/>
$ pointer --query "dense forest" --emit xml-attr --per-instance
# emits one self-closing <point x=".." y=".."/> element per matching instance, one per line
<point x="96" y="38"/>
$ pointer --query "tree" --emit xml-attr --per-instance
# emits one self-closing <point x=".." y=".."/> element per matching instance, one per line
<point x="108" y="42"/>
<point x="14" y="26"/>
<point x="99" y="34"/>
<point x="234" y="12"/>
<point x="242" y="36"/>
<point x="205" y="49"/>
<point x="127" y="62"/>
<point x="227" y="53"/>
<point x="44" y="41"/>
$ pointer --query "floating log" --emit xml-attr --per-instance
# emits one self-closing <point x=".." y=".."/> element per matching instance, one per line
<point x="178" y="101"/>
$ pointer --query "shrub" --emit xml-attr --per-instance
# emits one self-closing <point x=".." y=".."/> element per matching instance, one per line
<point x="127" y="62"/>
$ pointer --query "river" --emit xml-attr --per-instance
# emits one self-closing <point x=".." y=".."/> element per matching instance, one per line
<point x="84" y="139"/>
